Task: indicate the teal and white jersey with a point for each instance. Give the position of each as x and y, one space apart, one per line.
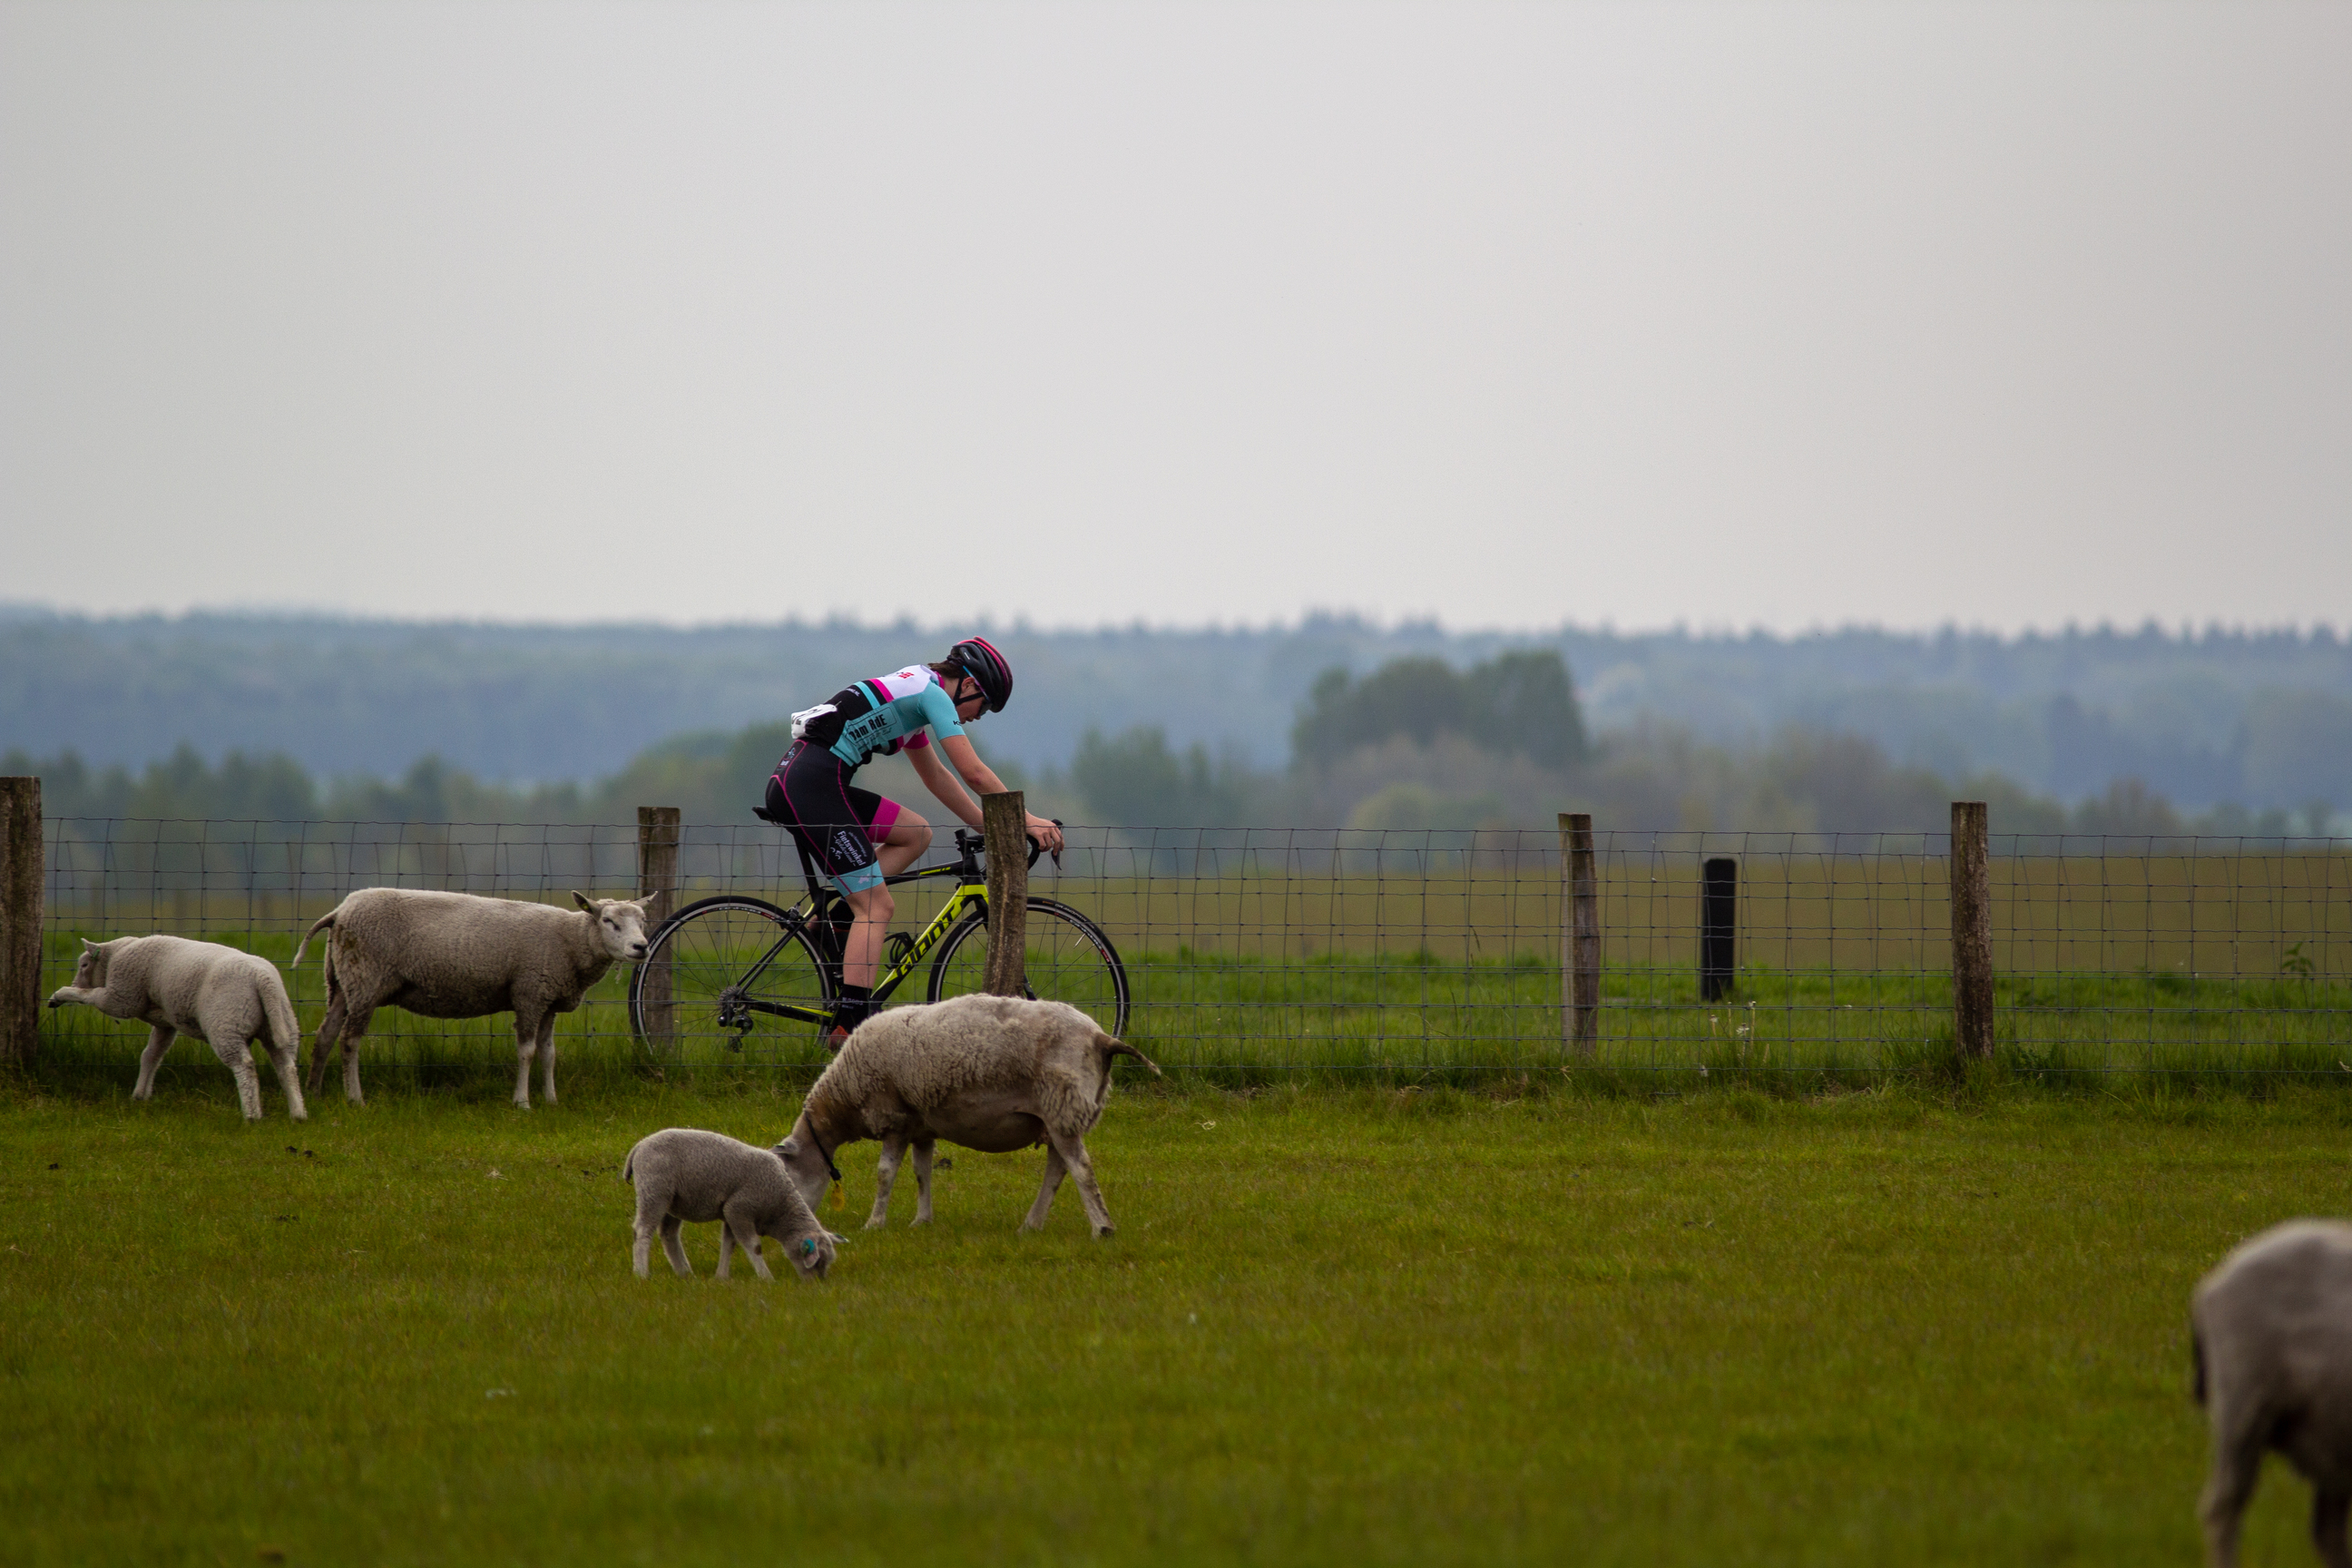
884 714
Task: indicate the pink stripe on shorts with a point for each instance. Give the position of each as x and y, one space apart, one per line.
885 814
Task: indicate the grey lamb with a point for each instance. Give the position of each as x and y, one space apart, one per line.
2271 1330
225 998
684 1174
993 1073
456 955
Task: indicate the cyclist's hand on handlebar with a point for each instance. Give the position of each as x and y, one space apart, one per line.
1046 832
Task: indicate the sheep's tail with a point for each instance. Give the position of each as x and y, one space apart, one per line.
2197 1360
1111 1048
629 1168
324 922
285 1028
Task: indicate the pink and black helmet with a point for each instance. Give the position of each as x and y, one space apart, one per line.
978 657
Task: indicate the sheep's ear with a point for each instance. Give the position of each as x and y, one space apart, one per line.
584 900
88 945
788 1148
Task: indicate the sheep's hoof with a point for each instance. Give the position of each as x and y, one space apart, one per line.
1105 1233
877 1222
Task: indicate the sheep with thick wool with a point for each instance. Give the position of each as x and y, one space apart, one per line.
459 955
685 1173
992 1073
225 998
2271 1332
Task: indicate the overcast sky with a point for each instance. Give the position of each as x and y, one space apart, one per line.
1733 314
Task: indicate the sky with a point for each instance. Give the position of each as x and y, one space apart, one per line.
1740 314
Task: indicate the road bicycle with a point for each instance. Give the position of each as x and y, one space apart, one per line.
738 973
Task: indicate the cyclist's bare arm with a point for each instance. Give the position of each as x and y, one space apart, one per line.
980 779
942 784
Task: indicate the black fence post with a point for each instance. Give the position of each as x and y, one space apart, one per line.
1580 936
1718 927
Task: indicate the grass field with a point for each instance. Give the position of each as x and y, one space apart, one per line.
1367 1326
1340 1015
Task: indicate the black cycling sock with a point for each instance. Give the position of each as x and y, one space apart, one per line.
853 1006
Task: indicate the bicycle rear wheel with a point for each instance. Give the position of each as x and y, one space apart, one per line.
723 960
1065 957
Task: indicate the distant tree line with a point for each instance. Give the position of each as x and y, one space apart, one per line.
2264 717
1414 743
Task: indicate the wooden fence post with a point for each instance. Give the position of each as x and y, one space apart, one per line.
1718 927
1580 936
20 919
1971 928
658 837
1005 824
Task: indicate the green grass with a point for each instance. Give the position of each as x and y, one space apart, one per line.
1235 1019
1351 1326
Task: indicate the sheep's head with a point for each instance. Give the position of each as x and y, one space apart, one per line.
89 970
620 924
812 1255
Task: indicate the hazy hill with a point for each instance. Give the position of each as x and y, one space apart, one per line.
2263 718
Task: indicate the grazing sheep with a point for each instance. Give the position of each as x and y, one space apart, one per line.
682 1173
225 998
2271 1330
993 1073
455 955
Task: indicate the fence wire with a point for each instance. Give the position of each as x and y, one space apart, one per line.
1339 951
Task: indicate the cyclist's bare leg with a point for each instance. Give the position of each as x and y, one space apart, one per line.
903 844
862 955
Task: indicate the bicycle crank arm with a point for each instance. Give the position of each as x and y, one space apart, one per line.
785 1010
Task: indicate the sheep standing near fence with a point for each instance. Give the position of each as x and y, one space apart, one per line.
459 955
992 1073
225 998
2272 1328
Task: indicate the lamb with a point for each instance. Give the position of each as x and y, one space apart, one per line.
683 1174
993 1073
455 955
2271 1330
225 998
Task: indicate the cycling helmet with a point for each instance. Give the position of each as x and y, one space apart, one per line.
978 657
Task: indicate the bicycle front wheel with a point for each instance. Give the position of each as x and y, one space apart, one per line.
729 978
1065 957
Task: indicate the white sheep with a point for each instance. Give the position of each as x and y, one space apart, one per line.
225 998
993 1073
2271 1330
683 1174
456 956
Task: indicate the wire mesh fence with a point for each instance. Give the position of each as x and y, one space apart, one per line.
1332 950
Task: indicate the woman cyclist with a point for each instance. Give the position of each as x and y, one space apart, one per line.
854 836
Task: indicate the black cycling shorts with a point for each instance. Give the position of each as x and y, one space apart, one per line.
836 822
